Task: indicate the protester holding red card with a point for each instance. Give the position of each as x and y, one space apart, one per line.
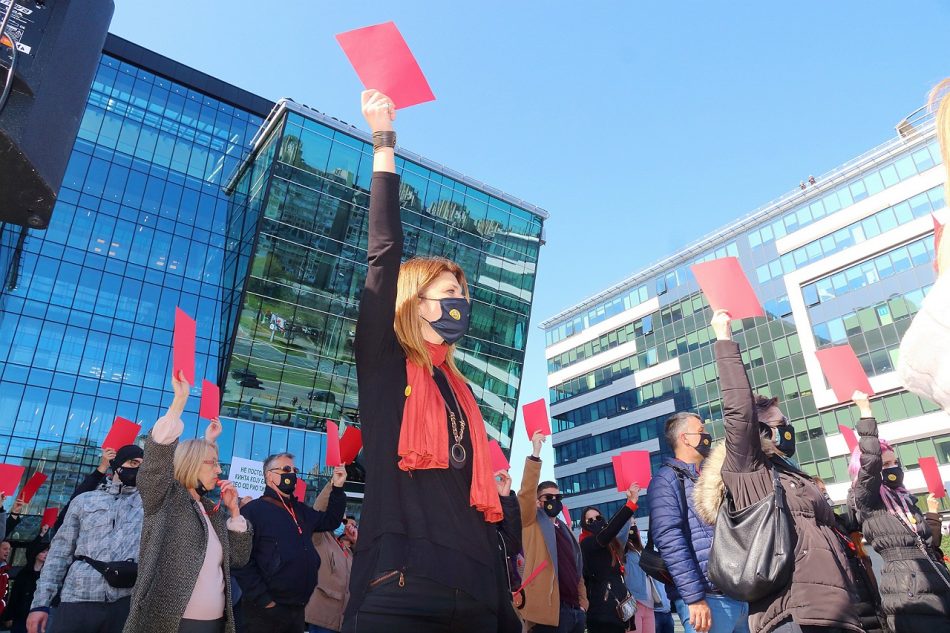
431 502
815 587
895 527
727 288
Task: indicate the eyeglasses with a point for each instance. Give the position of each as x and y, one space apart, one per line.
212 462
286 470
557 497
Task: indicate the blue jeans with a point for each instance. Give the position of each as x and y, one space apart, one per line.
569 621
319 629
663 621
728 615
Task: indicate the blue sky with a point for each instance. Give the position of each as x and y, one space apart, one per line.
640 126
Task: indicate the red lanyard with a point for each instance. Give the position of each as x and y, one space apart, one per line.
292 514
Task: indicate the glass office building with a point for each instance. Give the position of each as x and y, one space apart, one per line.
299 214
846 259
143 224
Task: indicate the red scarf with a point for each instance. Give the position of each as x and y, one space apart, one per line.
424 436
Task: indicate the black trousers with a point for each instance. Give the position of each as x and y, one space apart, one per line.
90 617
201 626
281 618
791 627
421 606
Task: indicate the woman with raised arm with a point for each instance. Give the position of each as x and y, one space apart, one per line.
914 584
759 442
188 544
604 564
429 557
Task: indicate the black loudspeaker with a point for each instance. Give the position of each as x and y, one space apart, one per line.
58 44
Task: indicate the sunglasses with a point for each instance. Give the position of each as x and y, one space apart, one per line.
286 470
557 497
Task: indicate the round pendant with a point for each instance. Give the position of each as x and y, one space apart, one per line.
458 456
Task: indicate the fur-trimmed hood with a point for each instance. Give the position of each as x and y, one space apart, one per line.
709 491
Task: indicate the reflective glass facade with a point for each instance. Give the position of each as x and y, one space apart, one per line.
291 362
848 260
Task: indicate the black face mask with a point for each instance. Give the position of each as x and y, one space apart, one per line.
127 475
453 323
784 438
288 483
893 477
553 507
201 490
705 444
594 526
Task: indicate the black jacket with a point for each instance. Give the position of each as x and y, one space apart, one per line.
603 573
868 603
915 587
284 563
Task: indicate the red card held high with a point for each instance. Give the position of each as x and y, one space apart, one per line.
849 437
49 517
383 61
350 444
536 418
210 400
632 467
928 466
727 288
32 486
333 445
498 459
10 476
122 433
843 371
183 356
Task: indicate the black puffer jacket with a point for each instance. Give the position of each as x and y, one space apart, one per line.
868 604
603 570
915 588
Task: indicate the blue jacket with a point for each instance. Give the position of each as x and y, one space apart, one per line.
284 564
683 542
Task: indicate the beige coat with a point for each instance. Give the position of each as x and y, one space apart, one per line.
329 599
542 600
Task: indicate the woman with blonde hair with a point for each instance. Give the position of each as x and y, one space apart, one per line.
429 558
188 544
924 360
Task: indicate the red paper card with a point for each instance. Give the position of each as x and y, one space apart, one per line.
32 485
498 459
333 445
10 476
49 517
300 490
727 288
938 235
843 371
122 433
350 444
849 437
566 514
632 467
536 418
383 61
210 400
183 357
928 466
619 476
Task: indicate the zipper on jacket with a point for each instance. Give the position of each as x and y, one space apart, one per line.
378 581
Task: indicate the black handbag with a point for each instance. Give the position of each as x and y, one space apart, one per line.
753 549
120 574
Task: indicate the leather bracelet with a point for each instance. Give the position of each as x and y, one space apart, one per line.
384 139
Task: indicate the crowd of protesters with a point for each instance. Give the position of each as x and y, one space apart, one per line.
740 540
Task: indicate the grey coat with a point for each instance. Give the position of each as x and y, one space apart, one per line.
174 541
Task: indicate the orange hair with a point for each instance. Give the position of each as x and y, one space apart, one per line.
414 276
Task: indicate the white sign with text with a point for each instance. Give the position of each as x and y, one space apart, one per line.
247 476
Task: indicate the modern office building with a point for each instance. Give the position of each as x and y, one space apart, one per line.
272 274
846 259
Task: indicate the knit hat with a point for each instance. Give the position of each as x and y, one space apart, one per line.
124 454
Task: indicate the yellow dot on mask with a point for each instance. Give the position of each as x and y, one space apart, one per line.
455 314
892 477
408 390
788 435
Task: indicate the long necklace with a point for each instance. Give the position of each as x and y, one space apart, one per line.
457 452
